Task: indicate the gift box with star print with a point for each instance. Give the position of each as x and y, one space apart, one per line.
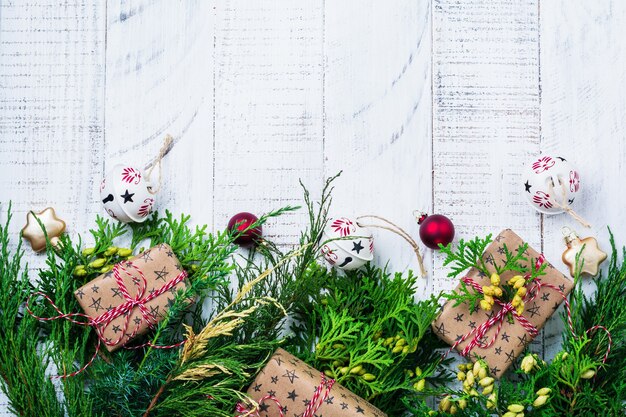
455 322
159 265
293 383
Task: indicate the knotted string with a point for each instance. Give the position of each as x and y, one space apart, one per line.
168 143
321 394
564 205
101 322
400 232
498 319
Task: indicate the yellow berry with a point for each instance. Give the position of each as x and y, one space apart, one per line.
106 269
482 373
541 400
521 292
495 279
485 305
420 385
461 376
487 290
486 381
519 284
544 391
444 405
112 250
453 409
515 408
498 292
98 263
401 342
397 349
356 369
418 371
477 367
88 251
344 370
588 374
369 377
124 252
462 403
488 390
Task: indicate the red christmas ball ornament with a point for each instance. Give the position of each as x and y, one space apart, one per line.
435 229
240 223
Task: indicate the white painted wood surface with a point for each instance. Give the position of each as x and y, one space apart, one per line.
430 105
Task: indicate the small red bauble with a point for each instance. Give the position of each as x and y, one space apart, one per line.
435 229
242 221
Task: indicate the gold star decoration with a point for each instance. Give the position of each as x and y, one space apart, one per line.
591 255
35 234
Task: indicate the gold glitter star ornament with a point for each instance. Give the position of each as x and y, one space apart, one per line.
35 234
591 255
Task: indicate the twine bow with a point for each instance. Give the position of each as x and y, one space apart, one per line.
480 332
564 204
321 394
101 322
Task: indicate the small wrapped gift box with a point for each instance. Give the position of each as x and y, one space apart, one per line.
289 383
134 296
459 324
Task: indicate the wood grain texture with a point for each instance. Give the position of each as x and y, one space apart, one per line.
378 117
268 110
583 116
485 117
51 112
159 80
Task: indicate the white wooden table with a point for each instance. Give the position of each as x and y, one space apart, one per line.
423 104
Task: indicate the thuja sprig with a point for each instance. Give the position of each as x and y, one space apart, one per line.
466 255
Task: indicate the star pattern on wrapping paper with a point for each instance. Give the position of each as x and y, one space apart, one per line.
501 250
458 337
170 302
441 329
95 289
145 256
329 400
510 356
306 402
534 310
505 337
80 294
292 395
110 307
498 351
309 373
494 370
257 387
96 304
152 291
154 310
523 340
293 362
116 329
291 375
472 324
562 287
264 407
490 314
162 274
481 274
359 410
344 406
489 259
117 292
170 254
474 309
556 305
272 393
179 267
274 379
108 340
459 317
499 238
137 320
278 360
545 296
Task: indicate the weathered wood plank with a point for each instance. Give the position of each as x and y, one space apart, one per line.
159 80
51 106
268 110
485 117
378 117
583 116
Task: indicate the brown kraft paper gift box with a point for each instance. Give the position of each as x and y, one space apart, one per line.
159 266
293 383
454 322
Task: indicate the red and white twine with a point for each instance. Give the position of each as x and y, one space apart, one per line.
506 308
321 394
101 322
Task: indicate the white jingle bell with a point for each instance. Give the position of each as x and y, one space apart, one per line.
346 245
125 194
551 184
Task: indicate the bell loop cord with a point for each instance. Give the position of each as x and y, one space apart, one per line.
393 228
564 205
168 144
